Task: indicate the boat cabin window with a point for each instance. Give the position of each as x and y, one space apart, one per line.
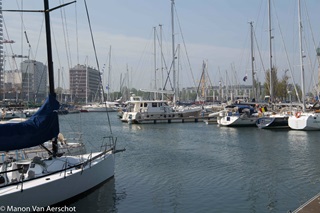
143 105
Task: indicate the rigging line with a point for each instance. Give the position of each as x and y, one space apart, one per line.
185 47
312 34
254 35
77 35
55 43
14 65
312 65
244 53
168 73
65 35
287 57
100 88
95 52
162 55
94 46
38 44
144 52
207 71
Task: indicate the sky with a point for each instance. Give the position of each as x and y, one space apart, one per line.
214 31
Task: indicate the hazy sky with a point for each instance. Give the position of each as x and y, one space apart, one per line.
215 31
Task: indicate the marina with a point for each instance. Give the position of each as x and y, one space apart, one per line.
194 167
224 127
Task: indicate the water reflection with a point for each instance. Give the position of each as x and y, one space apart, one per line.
103 198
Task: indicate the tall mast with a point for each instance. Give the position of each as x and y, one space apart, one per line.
254 93
175 96
301 58
270 52
155 61
160 25
50 66
109 76
49 48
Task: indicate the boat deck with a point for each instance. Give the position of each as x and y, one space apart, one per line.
311 206
174 120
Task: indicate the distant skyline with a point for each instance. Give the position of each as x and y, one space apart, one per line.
214 31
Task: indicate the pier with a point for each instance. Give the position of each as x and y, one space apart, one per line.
172 120
311 206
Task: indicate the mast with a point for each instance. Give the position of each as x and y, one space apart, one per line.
175 96
50 67
160 25
155 62
254 93
270 52
49 48
301 58
109 76
87 74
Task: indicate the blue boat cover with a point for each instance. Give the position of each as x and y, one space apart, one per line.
39 128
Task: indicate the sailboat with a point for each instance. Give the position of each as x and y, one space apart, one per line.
302 120
237 116
272 120
43 182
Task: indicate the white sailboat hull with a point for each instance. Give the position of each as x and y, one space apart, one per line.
307 121
55 188
236 121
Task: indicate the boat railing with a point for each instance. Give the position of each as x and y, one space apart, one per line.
66 167
108 143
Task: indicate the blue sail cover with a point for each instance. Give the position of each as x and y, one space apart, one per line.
39 128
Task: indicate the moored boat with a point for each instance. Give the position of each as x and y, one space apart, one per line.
275 121
237 116
154 111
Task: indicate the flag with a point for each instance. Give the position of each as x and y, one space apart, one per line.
245 78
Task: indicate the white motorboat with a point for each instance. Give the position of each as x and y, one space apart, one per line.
101 107
154 111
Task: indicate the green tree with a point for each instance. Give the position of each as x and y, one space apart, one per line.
281 89
274 82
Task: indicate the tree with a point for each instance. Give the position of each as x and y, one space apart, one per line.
282 88
274 82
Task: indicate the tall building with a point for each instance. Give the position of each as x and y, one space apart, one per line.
85 84
1 52
11 84
34 81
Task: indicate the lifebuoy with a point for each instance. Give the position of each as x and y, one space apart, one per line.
298 114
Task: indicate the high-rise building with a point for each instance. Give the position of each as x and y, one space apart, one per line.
85 84
1 52
34 81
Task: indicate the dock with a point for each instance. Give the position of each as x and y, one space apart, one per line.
171 120
311 206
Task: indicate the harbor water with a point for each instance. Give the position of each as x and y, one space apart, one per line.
194 167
